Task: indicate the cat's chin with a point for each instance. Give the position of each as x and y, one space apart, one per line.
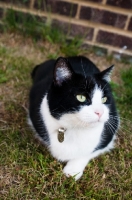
96 123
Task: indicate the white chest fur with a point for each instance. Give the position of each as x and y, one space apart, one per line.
78 142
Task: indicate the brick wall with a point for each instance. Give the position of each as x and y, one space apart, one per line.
103 23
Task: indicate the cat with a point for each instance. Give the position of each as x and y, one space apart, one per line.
72 100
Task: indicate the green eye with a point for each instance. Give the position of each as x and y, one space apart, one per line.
81 98
104 99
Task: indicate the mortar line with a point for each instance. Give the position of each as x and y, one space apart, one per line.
78 12
95 34
32 4
127 23
104 2
101 6
71 20
108 47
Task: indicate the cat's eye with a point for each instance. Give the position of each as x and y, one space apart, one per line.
104 99
81 98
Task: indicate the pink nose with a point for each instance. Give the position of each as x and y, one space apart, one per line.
99 113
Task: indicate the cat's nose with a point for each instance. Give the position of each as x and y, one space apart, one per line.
99 112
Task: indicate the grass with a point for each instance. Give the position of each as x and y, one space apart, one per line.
127 79
43 29
27 170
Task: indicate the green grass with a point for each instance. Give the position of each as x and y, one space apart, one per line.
127 80
27 170
37 28
123 93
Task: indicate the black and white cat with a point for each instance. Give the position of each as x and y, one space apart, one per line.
71 98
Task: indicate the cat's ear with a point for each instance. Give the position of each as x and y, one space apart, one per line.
62 71
106 74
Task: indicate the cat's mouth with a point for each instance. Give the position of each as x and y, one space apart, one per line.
95 122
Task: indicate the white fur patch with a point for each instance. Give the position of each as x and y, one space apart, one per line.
83 133
107 78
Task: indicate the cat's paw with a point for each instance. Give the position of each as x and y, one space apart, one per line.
70 171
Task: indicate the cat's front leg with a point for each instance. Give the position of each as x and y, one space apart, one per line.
75 167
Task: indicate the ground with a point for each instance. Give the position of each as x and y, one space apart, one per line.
27 171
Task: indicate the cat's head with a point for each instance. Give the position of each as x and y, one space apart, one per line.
79 100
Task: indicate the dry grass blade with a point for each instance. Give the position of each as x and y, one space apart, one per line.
27 171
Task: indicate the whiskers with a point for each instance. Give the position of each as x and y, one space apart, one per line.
124 125
112 125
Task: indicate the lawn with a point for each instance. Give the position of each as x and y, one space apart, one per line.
27 171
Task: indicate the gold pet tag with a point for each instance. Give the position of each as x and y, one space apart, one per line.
61 135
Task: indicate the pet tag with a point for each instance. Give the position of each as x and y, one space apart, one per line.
61 134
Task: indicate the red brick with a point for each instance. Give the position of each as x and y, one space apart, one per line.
114 39
7 1
75 30
61 25
120 3
17 2
114 19
85 13
102 16
1 12
56 6
1 28
84 32
130 25
40 5
105 37
94 0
